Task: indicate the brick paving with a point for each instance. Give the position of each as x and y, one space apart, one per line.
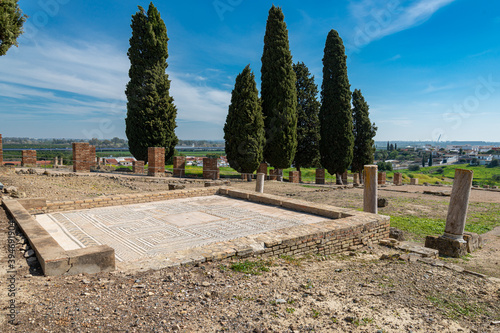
147 230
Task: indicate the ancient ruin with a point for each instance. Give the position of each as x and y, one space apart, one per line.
156 161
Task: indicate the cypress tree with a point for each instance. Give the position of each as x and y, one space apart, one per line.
335 115
430 159
307 155
151 111
244 128
423 160
364 132
388 146
395 146
11 24
279 98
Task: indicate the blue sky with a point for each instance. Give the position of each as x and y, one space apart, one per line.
427 68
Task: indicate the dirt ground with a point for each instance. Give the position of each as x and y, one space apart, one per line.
369 290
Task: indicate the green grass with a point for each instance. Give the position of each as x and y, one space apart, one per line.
457 306
482 174
478 221
252 267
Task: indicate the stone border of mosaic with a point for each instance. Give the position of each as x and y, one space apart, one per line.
346 229
51 256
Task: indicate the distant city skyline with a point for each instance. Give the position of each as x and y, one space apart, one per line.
427 68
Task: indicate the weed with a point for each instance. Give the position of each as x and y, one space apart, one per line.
315 313
291 260
456 306
290 310
252 267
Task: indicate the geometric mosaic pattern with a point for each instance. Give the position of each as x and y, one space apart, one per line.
146 230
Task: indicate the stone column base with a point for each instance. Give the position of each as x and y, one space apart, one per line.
446 247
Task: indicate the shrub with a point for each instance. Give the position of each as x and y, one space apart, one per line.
493 164
414 167
439 171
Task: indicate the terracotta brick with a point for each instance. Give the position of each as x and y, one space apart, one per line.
138 167
294 177
262 168
381 178
81 159
320 176
179 166
210 168
156 161
28 158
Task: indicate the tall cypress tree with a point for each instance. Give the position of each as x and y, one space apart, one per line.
244 128
11 24
335 114
364 132
307 155
423 159
151 111
430 159
279 99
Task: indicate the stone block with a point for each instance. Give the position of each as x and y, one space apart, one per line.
397 234
320 176
413 181
446 247
355 179
176 187
474 241
382 202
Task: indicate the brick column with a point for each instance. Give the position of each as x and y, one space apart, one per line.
81 162
381 178
138 167
398 179
92 156
355 178
28 158
210 168
1 151
293 177
273 174
370 191
413 181
179 166
320 176
156 161
344 178
262 169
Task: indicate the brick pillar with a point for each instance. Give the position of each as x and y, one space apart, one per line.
293 177
344 178
381 178
92 156
262 169
320 176
138 167
210 168
81 162
179 166
28 158
413 181
1 151
273 174
156 161
355 178
398 179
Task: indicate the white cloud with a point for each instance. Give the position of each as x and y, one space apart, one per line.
88 80
379 18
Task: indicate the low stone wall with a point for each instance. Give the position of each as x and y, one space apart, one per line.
125 199
52 257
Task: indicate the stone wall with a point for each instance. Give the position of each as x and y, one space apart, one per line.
138 167
381 178
156 161
179 166
320 176
294 177
28 158
210 168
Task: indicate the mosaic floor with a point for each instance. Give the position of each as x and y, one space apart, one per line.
146 230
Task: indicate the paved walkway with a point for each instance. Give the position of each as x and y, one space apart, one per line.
151 229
